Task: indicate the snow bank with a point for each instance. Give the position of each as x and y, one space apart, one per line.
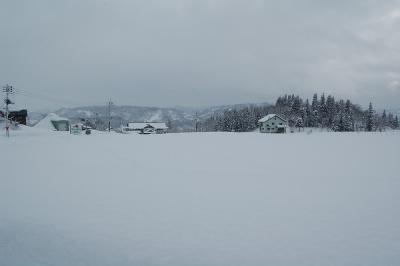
200 199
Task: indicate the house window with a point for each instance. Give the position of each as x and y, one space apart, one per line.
273 123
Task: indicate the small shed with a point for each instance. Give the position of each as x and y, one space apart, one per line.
273 123
54 122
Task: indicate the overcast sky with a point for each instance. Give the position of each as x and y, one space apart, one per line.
198 52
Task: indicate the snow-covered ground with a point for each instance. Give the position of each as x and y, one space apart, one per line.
200 199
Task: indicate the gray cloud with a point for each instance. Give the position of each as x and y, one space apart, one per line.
182 52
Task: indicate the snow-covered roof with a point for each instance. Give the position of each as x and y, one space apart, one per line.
45 123
268 117
141 125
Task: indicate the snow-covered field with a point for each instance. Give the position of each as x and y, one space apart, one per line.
200 199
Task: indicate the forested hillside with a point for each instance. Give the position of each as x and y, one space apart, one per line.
321 112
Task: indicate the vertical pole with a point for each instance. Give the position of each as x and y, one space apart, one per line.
7 126
109 115
8 90
196 123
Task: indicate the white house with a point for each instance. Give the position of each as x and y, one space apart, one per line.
146 127
54 122
272 123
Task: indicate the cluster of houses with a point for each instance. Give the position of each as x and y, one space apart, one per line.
271 123
57 123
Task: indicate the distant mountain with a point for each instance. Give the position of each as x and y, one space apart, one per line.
127 113
207 112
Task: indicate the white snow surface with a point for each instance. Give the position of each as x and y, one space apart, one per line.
199 199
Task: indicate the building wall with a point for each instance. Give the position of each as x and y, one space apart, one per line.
61 125
17 116
271 126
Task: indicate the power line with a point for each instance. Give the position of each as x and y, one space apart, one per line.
47 98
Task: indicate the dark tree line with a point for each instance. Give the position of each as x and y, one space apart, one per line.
322 112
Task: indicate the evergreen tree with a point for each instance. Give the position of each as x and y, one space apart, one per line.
396 123
348 119
369 124
390 120
295 110
339 121
314 111
383 121
299 123
322 112
330 108
308 116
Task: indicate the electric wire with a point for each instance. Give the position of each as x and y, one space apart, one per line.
46 98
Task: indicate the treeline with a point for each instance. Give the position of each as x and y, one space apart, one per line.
322 112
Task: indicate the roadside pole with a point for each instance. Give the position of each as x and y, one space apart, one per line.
7 90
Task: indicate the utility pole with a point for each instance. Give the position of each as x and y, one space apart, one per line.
7 90
196 122
110 103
